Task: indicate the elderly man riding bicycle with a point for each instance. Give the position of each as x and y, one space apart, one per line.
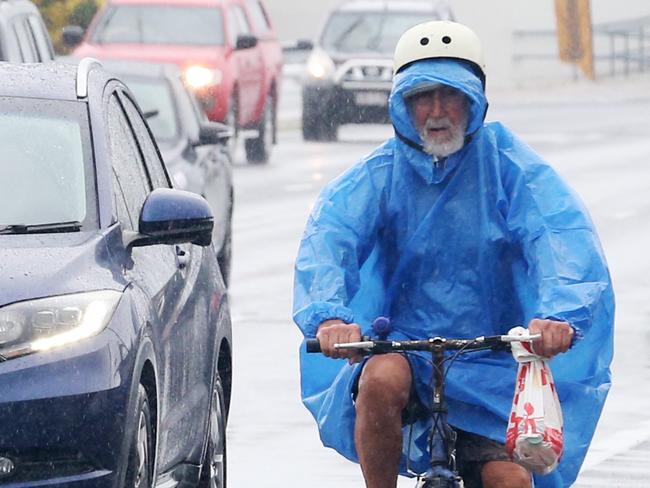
453 227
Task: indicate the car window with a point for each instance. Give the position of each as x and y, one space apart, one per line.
258 16
233 28
358 32
160 24
155 95
25 41
147 146
239 17
126 159
119 204
46 168
198 111
41 39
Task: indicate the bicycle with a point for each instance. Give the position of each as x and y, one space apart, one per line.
442 472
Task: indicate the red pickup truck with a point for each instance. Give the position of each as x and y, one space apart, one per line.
227 50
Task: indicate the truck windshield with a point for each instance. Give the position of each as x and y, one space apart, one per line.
160 24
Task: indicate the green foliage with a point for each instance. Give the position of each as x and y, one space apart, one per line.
59 13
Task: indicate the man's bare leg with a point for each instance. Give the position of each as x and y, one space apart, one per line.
503 474
384 389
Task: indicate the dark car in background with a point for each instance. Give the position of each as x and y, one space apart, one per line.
227 49
115 335
23 35
349 72
193 147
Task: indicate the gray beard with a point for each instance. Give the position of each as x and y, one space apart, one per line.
445 148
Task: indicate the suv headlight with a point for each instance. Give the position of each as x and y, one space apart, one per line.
320 66
46 323
198 76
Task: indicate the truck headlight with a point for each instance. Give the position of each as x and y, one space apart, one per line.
46 323
198 76
320 66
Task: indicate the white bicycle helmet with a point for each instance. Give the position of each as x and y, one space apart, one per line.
439 39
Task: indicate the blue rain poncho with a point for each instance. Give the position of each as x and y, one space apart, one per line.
484 240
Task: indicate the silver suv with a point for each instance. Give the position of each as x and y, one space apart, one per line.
349 71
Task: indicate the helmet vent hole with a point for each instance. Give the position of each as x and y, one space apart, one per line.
446 40
424 41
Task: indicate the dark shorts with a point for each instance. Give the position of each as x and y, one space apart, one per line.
472 450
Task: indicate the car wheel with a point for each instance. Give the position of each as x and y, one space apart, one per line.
318 126
258 149
139 472
330 129
231 121
213 471
224 257
310 125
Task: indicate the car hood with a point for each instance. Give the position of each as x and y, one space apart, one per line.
339 57
180 55
41 265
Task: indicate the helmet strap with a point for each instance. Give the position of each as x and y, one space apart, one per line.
408 141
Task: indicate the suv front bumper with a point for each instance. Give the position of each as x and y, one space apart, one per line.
357 93
345 105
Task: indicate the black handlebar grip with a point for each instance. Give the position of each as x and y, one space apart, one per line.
313 345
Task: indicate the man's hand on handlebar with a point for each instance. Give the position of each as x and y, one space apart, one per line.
335 331
556 336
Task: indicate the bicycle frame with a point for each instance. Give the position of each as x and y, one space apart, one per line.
442 470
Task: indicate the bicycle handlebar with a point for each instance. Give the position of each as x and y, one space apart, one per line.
381 347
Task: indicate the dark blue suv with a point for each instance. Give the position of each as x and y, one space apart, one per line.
115 336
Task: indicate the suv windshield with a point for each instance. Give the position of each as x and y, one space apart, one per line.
45 164
160 24
376 32
156 101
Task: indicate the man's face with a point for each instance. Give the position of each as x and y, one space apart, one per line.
440 116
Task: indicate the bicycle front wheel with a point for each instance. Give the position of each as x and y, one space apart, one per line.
439 482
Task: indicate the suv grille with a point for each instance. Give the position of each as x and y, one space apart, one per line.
365 74
368 73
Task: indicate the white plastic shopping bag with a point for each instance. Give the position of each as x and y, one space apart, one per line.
534 437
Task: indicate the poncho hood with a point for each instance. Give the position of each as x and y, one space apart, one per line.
451 72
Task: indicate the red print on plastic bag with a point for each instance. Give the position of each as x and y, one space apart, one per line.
534 437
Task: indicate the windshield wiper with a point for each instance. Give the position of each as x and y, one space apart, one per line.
55 227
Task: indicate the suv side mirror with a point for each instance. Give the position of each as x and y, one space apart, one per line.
173 217
246 41
72 35
213 133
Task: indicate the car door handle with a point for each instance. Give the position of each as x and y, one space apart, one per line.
182 258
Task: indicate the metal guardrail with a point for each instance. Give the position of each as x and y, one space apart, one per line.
623 45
